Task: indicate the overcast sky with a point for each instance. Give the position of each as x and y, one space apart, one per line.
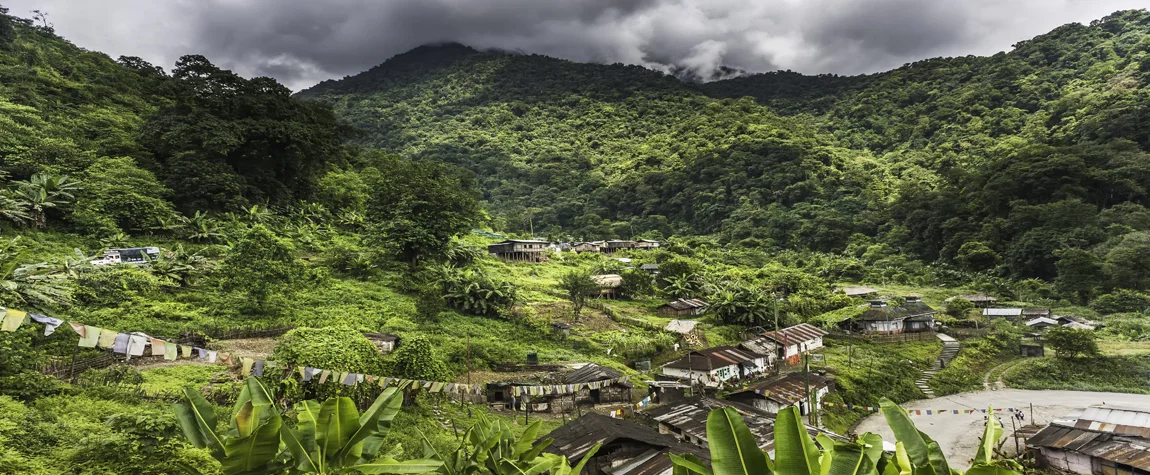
301 42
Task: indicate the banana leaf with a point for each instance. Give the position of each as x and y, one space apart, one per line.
795 452
198 420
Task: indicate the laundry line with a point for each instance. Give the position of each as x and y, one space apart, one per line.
134 344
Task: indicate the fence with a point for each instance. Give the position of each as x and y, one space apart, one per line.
887 339
966 333
623 319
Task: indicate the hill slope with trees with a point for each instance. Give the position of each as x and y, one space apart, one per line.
1011 160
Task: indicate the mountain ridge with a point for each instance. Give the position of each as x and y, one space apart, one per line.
930 158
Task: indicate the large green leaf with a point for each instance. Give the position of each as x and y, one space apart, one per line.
388 403
990 435
795 452
389 465
338 421
848 459
909 436
991 469
527 440
586 457
197 418
245 454
734 450
383 411
937 458
307 416
302 449
688 464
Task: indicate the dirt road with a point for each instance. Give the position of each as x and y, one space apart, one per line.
958 433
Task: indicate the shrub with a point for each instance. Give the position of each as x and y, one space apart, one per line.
1072 342
958 307
331 348
113 285
415 359
1121 301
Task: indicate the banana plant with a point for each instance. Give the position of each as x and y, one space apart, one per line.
490 447
333 438
251 445
329 438
734 450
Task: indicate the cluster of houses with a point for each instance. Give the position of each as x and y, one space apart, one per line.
530 250
1038 319
753 358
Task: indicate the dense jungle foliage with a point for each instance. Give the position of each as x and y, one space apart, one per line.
1030 163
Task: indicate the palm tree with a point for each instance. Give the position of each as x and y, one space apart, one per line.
34 285
201 228
45 191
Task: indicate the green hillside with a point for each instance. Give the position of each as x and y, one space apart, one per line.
977 161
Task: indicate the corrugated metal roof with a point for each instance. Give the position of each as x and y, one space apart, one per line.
858 290
761 346
796 334
1036 321
786 389
690 416
1038 312
1116 419
684 304
907 310
608 280
1133 451
713 358
1001 312
974 298
681 326
574 439
593 372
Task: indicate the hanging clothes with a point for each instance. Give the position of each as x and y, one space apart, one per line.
247 363
211 357
307 373
348 379
120 344
185 351
323 375
50 323
170 351
258 368
89 335
107 339
201 353
136 345
12 320
159 347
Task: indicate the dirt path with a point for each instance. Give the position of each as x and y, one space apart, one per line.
1001 370
958 433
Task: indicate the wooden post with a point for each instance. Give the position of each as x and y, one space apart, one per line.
72 367
1013 434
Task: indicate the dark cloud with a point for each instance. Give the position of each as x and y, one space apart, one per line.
301 42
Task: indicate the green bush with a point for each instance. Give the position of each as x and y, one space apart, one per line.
332 348
1121 301
114 285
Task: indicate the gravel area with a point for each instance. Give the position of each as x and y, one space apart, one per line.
958 433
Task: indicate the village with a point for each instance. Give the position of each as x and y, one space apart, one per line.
638 422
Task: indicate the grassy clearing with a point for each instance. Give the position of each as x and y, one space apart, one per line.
1124 348
1126 374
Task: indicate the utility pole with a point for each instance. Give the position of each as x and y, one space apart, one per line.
807 387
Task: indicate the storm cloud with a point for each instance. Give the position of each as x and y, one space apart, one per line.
301 42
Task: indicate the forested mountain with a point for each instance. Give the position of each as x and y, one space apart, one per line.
981 161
